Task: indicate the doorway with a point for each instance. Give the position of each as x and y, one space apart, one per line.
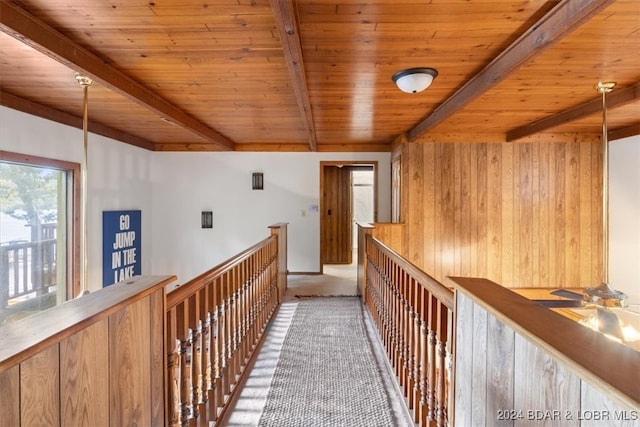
348 195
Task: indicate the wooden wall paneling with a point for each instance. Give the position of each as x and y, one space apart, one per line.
535 214
463 390
594 403
518 214
428 200
550 217
84 377
588 255
462 210
157 356
405 190
446 208
479 414
129 365
391 234
518 205
417 242
10 396
481 222
507 214
40 389
500 368
543 385
560 214
439 226
572 194
458 210
494 212
523 216
542 228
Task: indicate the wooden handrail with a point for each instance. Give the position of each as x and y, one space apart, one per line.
413 314
213 325
440 291
610 367
182 292
49 327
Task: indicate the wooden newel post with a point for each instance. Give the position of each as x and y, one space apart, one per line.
364 229
280 230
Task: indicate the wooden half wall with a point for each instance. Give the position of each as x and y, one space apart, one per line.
95 361
518 363
521 214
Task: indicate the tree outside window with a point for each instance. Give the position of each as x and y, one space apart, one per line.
35 254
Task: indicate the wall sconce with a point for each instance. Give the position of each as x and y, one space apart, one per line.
207 219
257 181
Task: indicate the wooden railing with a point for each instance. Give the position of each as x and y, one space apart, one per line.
214 323
26 268
413 314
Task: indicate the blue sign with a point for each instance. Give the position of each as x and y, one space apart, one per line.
121 246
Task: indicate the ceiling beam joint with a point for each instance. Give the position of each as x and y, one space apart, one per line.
19 24
615 99
565 17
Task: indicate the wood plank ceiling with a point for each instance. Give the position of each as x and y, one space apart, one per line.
284 75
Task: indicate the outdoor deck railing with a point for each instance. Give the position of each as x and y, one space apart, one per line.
413 314
26 268
214 323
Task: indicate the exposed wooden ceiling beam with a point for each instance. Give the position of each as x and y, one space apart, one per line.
28 29
560 21
614 99
624 132
285 16
17 103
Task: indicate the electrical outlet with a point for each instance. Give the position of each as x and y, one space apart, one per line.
303 213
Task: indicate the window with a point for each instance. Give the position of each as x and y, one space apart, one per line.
363 199
39 243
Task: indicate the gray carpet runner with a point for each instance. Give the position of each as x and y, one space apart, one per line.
327 374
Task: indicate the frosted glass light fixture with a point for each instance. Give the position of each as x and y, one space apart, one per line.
414 80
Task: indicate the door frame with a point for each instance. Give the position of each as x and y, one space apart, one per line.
341 163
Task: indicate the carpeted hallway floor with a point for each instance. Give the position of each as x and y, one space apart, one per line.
337 280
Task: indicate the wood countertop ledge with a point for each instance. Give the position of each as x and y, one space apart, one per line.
26 337
609 366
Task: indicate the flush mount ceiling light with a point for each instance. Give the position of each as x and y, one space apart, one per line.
414 80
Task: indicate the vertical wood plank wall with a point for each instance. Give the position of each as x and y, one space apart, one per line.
521 214
503 379
107 373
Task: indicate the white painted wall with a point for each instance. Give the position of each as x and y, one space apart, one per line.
119 175
624 216
184 184
172 189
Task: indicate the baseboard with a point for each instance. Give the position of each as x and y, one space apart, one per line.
304 273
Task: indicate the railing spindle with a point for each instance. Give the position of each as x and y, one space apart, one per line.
413 315
214 324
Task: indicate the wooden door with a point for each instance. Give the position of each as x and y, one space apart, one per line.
336 238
